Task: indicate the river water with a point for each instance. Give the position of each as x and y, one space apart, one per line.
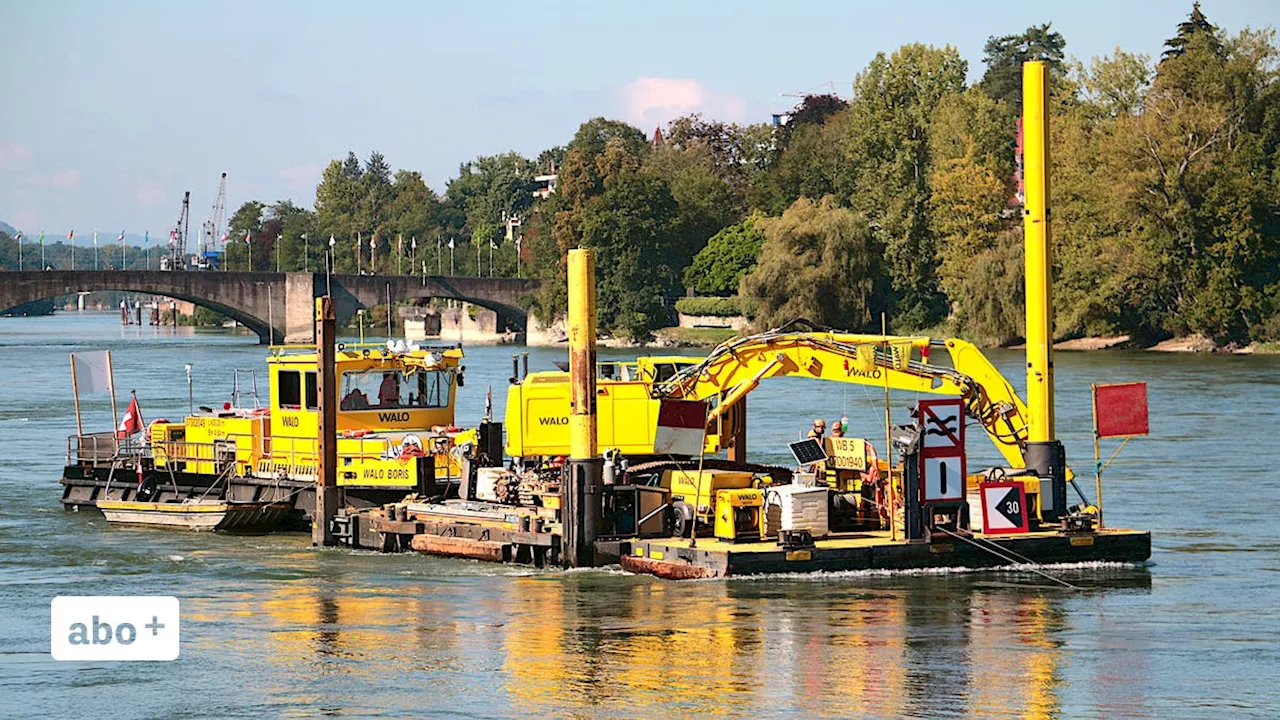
273 627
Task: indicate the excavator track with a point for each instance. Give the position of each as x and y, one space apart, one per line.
778 473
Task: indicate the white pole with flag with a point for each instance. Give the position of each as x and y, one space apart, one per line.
248 250
71 237
359 249
399 253
146 242
121 241
373 245
42 263
450 257
279 237
328 266
19 239
413 254
95 249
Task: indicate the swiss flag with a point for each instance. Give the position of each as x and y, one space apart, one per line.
132 422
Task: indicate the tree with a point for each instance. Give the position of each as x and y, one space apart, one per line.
888 155
1195 24
634 224
487 190
719 268
337 206
600 149
707 202
245 223
1005 55
817 262
971 146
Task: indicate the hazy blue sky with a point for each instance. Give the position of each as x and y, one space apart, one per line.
112 109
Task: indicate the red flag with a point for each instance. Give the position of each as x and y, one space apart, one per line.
1120 410
132 422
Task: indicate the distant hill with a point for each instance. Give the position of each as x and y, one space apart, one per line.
8 229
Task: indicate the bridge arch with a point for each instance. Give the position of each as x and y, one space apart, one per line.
240 304
277 306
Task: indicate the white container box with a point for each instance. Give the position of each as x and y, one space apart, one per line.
796 507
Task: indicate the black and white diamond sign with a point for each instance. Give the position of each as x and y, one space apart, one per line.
1004 508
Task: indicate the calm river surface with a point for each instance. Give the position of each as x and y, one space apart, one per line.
273 627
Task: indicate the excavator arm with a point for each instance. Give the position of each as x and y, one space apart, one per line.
738 366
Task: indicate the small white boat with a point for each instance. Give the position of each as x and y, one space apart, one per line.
197 514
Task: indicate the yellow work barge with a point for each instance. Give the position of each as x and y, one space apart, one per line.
680 558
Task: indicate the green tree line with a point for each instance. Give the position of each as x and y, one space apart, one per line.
901 199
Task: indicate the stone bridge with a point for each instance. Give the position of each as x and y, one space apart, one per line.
279 307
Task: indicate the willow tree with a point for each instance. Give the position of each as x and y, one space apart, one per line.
818 262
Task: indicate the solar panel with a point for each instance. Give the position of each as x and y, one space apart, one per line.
807 451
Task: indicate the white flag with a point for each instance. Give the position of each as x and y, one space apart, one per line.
332 242
91 371
493 245
450 243
414 244
121 238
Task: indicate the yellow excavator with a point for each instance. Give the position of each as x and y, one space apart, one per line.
629 399
537 406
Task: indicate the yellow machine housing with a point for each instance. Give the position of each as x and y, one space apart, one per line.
537 415
699 489
739 514
393 408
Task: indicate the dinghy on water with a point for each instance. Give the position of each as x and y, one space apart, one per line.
199 515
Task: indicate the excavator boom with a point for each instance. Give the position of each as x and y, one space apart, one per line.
736 367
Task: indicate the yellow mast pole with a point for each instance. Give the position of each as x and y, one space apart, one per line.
582 506
1044 454
1039 254
888 435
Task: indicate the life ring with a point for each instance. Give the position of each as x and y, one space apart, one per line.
261 412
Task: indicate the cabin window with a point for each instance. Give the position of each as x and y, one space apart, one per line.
312 403
392 389
289 389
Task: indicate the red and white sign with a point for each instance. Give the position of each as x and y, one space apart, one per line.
681 425
942 458
1120 410
1004 508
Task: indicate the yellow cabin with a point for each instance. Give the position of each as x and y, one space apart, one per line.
394 407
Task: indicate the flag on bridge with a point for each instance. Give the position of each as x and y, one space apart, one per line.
121 238
492 245
248 237
414 244
332 241
71 235
450 243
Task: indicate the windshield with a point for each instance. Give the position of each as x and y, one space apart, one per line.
392 389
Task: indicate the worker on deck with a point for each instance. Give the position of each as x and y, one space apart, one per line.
837 429
389 391
355 400
819 429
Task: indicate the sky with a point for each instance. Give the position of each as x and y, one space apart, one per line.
112 109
